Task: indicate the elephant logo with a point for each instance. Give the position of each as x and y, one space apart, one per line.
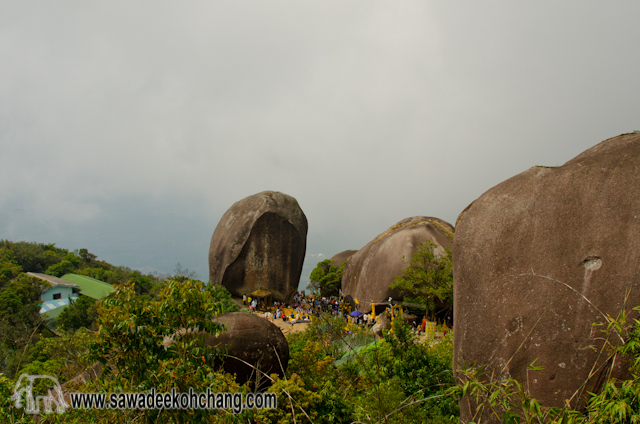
48 385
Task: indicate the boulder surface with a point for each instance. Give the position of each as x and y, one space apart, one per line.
260 243
341 257
541 257
253 340
370 271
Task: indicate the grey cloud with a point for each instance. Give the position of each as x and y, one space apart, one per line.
111 114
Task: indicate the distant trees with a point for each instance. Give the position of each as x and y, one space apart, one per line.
69 263
428 276
326 278
88 257
33 257
183 274
9 267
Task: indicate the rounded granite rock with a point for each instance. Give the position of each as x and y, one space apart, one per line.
371 270
255 340
260 243
252 347
339 258
540 258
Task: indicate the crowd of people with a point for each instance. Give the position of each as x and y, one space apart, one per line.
304 307
301 309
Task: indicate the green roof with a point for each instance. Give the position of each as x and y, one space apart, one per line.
91 287
51 317
53 313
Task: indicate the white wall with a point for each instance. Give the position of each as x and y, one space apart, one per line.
66 293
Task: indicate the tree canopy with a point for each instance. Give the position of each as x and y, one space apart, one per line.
80 313
326 278
428 276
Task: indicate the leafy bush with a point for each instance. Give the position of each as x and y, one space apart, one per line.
296 404
395 380
21 324
219 293
130 338
81 312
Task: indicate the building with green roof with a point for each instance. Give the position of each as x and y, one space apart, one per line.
91 287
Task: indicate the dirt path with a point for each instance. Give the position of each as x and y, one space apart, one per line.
285 327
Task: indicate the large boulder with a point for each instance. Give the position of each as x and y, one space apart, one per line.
370 271
260 243
339 258
541 257
253 347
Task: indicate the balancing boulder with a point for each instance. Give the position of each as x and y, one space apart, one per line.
260 243
370 271
540 258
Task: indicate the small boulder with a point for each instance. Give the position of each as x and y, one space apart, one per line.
254 340
249 339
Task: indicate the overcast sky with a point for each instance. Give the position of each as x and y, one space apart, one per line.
129 128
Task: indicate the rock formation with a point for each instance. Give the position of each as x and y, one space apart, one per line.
260 243
341 257
541 257
253 340
370 271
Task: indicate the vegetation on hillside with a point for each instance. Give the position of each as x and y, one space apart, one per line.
394 380
21 325
334 375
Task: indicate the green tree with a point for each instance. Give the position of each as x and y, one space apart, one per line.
20 320
80 313
428 276
60 269
9 267
219 293
86 256
326 278
34 257
129 341
63 357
